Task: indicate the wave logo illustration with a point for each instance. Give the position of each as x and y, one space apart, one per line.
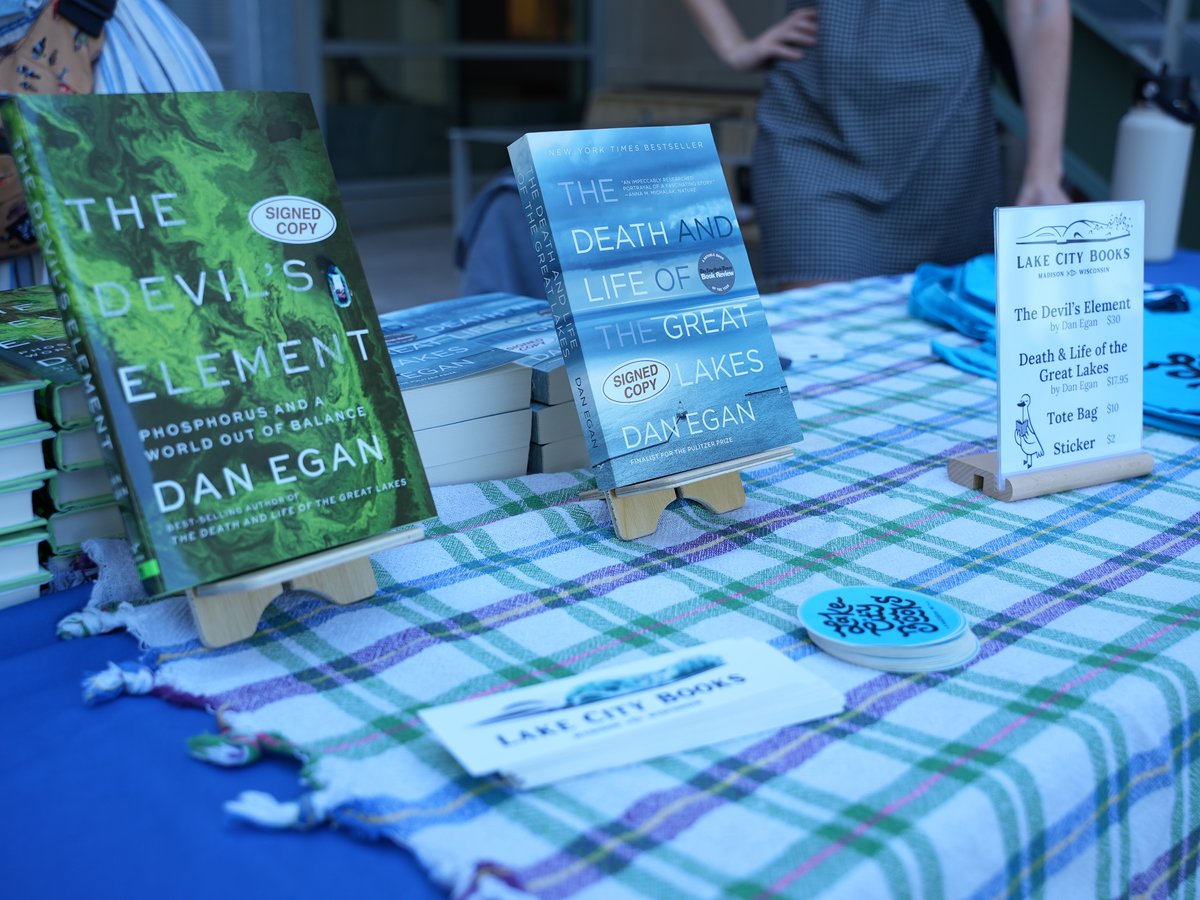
604 689
1081 231
292 220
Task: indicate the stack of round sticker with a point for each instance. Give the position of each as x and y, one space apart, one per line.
889 628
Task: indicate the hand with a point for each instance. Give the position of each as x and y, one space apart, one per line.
1041 193
786 39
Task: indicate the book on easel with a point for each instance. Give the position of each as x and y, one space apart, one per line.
667 349
227 340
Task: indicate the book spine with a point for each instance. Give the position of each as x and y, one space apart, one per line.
69 294
533 206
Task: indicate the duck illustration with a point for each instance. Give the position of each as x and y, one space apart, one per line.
1025 436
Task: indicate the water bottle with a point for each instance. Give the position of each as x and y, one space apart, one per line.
1154 148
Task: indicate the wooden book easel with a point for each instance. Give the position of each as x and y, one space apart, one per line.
978 471
636 508
228 611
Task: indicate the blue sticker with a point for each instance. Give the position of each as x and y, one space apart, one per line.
881 617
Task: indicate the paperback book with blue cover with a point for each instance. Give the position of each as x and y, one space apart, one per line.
669 356
519 325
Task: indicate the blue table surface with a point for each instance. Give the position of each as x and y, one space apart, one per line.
1183 267
105 802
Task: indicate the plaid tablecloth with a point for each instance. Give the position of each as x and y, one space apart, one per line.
1063 762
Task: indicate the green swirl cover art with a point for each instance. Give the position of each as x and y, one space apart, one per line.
225 331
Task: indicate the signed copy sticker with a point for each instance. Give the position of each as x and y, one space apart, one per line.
1068 333
292 220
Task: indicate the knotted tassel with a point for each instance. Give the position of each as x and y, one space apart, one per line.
263 810
115 680
89 622
229 750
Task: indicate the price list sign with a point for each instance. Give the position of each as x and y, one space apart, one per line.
1069 283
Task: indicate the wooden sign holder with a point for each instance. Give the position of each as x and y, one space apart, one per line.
978 471
636 508
228 611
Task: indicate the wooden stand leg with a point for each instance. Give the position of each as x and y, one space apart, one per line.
637 515
347 583
636 509
228 611
721 493
978 471
223 619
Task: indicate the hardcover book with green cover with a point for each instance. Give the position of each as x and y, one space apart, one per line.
222 323
32 340
18 406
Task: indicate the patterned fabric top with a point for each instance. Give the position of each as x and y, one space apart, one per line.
877 151
1062 761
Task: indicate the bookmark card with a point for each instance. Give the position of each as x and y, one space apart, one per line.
630 712
1068 334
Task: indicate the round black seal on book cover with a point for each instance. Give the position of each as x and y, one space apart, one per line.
716 271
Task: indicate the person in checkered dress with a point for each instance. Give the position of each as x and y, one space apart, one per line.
876 147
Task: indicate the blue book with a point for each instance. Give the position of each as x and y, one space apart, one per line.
510 322
667 350
447 378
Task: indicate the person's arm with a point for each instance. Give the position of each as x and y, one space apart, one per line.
1040 33
783 40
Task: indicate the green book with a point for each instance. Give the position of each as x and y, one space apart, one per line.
69 528
71 488
32 340
77 447
21 573
18 403
18 504
21 454
217 307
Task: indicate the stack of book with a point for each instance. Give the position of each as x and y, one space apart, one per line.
468 403
482 379
475 362
75 501
22 531
524 325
